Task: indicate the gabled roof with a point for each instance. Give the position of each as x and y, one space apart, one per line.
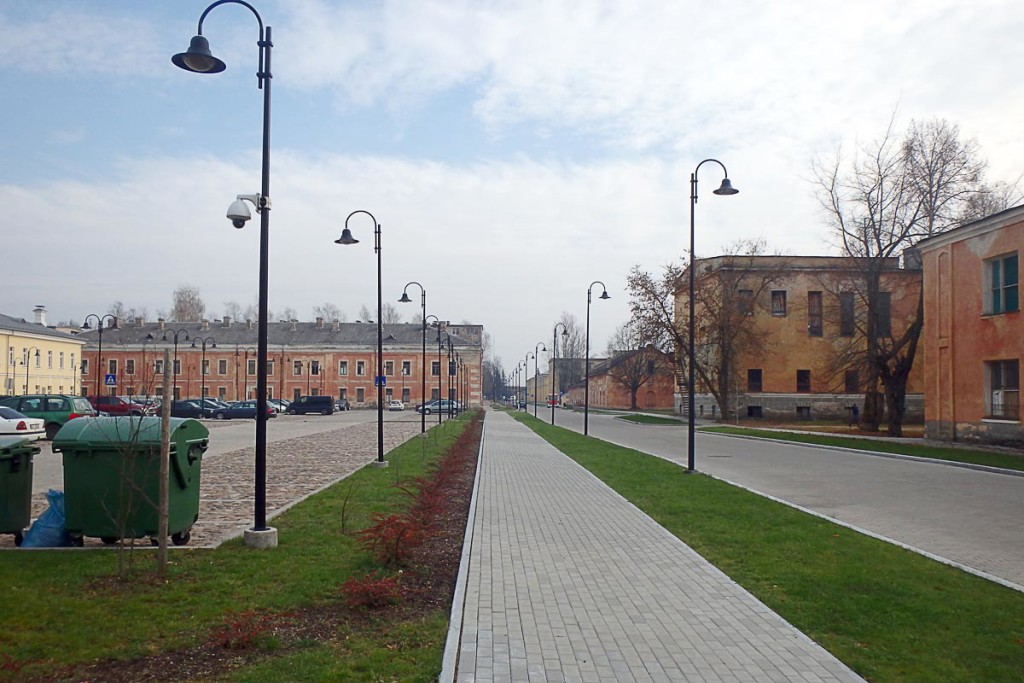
21 325
991 223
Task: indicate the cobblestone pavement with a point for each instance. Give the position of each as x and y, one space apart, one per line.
568 581
296 468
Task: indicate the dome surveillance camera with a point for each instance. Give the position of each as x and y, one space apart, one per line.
238 213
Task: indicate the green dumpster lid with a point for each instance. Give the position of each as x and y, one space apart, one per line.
9 445
89 433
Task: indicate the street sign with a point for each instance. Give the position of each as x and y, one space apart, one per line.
110 380
380 381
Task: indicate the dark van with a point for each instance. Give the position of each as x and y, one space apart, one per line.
311 404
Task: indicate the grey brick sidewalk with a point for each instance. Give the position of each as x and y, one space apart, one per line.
568 581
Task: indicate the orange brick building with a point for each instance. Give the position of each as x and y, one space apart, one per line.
304 358
610 381
806 314
974 329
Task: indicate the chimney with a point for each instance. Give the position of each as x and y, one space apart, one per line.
161 323
320 323
139 321
40 311
336 325
205 324
227 321
295 325
248 323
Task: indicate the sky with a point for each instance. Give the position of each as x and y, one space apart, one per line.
512 152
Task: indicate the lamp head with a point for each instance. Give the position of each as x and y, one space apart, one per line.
604 295
198 58
238 213
726 188
346 238
405 298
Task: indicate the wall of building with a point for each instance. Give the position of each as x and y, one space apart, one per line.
962 337
54 371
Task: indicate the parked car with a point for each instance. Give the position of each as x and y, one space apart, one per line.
437 405
311 404
342 404
396 405
53 409
119 405
192 409
13 423
240 409
280 405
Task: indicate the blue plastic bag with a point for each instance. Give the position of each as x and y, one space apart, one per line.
48 530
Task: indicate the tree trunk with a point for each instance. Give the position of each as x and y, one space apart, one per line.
632 399
871 416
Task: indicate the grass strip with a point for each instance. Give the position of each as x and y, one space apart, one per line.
1008 461
888 613
54 601
650 420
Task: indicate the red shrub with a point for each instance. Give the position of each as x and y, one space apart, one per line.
371 591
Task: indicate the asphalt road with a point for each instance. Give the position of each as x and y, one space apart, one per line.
230 435
966 516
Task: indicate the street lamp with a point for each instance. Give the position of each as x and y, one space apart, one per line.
180 333
726 188
345 239
538 347
554 357
198 59
526 381
28 357
586 384
423 365
437 323
99 353
202 366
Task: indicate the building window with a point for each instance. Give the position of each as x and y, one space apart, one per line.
779 303
314 367
803 381
61 360
343 394
406 368
405 395
360 395
803 412
755 411
434 394
222 367
746 302
85 366
883 315
814 326
847 323
361 368
112 366
851 382
389 367
177 370
49 359
1004 383
206 367
270 370
250 367
1002 277
297 368
754 380
158 368
343 368
129 366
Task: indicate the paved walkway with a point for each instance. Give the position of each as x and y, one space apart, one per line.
568 581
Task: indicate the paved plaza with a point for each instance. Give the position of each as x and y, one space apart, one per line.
567 581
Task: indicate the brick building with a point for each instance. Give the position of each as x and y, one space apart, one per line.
611 379
974 330
303 358
807 316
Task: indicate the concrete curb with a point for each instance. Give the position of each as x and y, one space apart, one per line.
895 456
450 660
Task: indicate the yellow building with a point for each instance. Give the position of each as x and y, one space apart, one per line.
38 359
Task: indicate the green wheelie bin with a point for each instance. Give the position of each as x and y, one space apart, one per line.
16 455
112 475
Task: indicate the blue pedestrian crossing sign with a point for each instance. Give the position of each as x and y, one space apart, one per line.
380 381
110 380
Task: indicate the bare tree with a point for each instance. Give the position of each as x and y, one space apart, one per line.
122 312
365 315
893 193
633 363
289 313
991 199
187 305
329 312
572 351
233 309
390 315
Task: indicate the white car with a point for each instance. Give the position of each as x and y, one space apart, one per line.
396 405
13 423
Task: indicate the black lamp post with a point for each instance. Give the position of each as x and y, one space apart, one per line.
347 238
586 383
179 334
538 347
554 357
148 339
726 188
198 59
202 366
28 357
526 380
99 353
423 365
437 323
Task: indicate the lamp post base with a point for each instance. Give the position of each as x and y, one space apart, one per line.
261 539
380 463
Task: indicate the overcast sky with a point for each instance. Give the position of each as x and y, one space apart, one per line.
513 152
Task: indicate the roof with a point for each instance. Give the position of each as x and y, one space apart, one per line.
278 334
23 326
996 221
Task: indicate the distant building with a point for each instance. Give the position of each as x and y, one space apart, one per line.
807 316
38 359
648 370
974 329
303 358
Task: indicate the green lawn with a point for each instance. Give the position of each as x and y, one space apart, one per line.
64 608
650 420
978 457
888 613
